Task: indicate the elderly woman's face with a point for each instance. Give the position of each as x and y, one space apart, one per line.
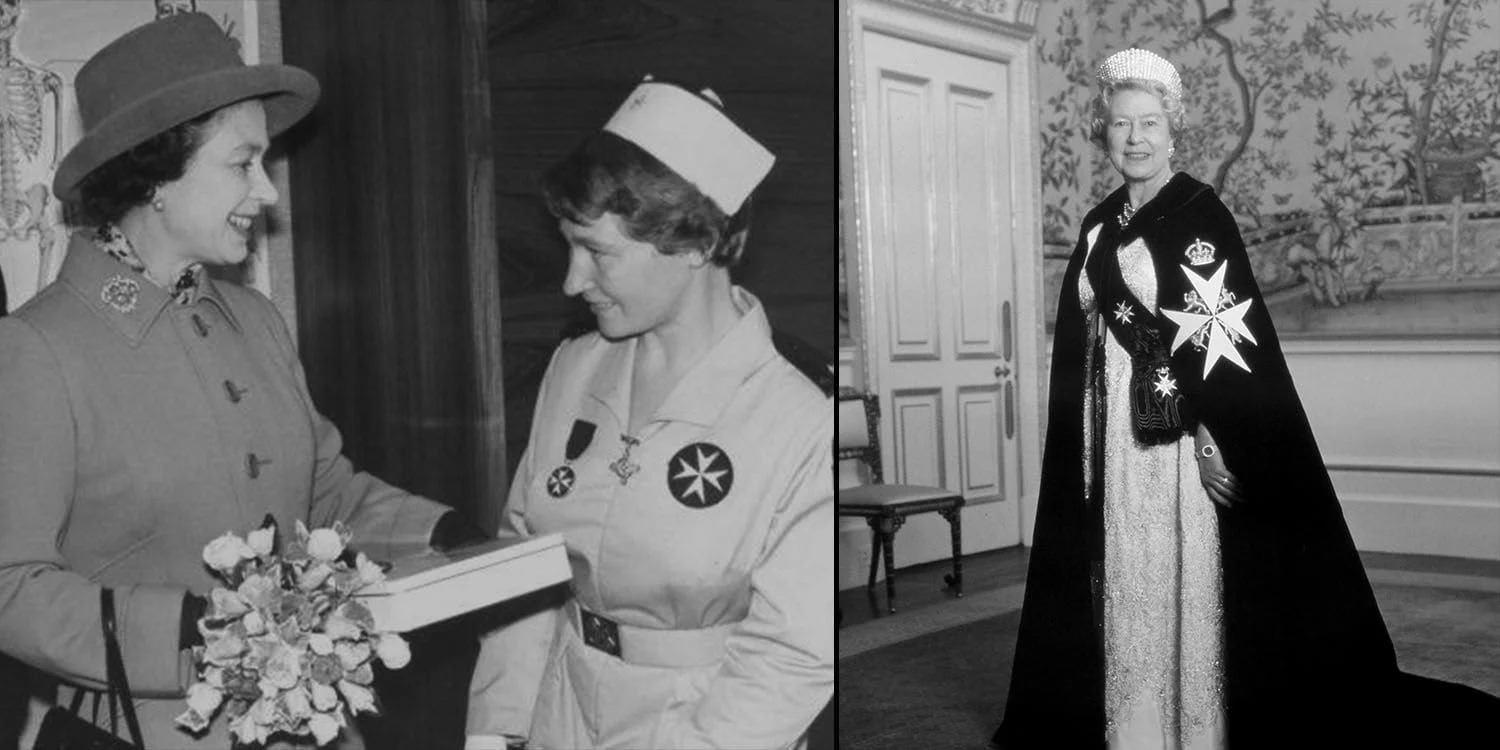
1138 136
210 210
630 286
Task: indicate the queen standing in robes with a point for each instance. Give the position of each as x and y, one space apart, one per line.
1193 583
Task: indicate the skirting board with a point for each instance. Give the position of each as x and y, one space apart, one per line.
1425 526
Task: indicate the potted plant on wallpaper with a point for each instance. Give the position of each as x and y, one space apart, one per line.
1465 131
1453 119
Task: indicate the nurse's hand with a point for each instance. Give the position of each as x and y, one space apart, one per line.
1221 485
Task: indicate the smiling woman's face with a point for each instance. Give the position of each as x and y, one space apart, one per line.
1138 136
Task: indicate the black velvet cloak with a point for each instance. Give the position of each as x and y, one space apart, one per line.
1308 660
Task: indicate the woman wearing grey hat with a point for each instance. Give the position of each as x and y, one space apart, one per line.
148 408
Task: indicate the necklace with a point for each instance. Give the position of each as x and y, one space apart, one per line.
622 466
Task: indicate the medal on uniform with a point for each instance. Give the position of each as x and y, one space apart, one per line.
560 481
700 475
622 466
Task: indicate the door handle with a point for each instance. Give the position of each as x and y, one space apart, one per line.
1002 370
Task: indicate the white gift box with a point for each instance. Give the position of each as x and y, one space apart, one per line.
432 586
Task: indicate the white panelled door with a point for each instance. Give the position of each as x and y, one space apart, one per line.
941 321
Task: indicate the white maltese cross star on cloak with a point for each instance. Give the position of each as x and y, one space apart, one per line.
1212 321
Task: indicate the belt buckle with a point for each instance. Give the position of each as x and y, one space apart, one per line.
600 632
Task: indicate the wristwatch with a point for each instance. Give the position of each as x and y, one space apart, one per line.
1207 451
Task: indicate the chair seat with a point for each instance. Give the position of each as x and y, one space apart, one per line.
893 495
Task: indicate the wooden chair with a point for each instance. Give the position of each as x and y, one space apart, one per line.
885 507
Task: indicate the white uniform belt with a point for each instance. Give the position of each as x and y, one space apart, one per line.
649 647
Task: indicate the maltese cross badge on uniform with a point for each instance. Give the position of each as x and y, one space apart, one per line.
560 481
700 475
1212 320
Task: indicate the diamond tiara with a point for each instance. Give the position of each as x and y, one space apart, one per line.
1139 63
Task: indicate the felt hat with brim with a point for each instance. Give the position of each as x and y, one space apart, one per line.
163 74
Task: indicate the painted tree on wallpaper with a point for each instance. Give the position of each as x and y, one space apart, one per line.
1064 128
1437 119
1426 133
1243 86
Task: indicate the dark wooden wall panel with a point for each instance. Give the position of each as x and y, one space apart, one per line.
398 286
392 222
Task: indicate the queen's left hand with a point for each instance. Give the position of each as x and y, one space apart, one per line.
1221 484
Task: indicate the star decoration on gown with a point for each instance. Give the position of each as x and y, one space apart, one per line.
1123 313
1165 385
700 475
1212 321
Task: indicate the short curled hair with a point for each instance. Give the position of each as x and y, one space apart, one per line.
130 179
1099 122
608 174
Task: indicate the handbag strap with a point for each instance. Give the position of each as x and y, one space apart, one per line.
118 683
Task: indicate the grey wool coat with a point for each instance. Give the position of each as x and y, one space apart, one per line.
133 430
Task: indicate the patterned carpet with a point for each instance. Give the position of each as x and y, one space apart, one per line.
938 677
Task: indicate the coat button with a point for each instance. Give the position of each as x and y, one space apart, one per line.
200 326
253 464
234 392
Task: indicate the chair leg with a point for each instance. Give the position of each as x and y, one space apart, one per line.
955 526
888 540
874 551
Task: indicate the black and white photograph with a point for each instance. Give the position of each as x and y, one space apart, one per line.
749 374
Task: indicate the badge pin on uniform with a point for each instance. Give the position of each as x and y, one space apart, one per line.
560 481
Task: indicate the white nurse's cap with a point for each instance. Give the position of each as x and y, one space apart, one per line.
695 139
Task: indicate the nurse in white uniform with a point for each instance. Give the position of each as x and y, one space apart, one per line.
686 460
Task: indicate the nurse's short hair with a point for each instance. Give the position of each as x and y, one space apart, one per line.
129 180
1099 108
608 174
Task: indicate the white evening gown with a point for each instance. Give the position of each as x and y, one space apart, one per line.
1163 608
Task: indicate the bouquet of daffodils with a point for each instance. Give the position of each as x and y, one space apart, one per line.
287 649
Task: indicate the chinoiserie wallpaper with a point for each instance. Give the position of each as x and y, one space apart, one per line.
1357 141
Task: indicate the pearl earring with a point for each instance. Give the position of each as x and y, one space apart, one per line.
1171 150
158 205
